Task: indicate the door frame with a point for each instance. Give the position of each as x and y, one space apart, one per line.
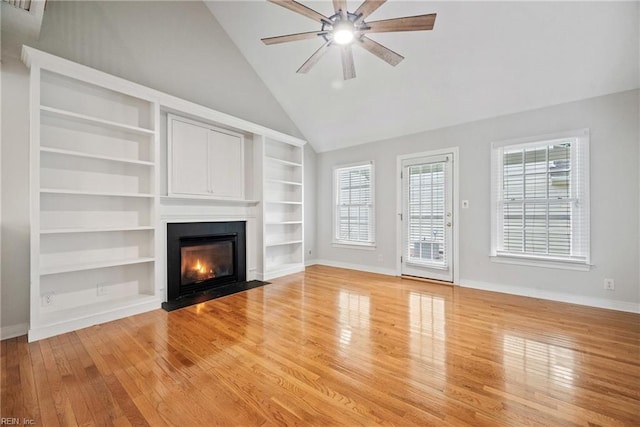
455 154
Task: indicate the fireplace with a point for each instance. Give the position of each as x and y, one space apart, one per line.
203 256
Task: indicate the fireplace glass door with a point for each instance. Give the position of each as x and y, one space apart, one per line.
205 261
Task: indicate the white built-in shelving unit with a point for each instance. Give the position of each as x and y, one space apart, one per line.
93 197
101 194
282 208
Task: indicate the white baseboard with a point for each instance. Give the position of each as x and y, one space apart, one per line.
13 331
309 262
73 324
360 267
553 296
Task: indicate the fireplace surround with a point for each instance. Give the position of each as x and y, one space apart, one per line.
204 256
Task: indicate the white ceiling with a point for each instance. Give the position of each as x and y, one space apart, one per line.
483 59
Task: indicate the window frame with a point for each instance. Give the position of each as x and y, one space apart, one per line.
579 196
353 244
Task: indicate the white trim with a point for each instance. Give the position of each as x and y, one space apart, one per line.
554 296
546 138
310 262
13 331
74 324
455 153
540 262
197 217
354 245
281 271
204 200
358 267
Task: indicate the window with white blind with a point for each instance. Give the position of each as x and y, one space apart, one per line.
540 199
353 213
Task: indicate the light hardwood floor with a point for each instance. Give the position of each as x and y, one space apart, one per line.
334 346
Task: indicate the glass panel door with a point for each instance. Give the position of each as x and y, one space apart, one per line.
427 217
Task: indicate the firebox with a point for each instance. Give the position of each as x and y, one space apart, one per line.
204 255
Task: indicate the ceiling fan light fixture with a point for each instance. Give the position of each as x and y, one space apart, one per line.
343 32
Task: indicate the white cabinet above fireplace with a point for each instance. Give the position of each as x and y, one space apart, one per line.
204 161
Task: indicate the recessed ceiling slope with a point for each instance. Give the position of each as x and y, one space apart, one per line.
486 59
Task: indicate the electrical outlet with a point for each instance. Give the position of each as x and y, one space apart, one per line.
309 251
380 258
465 204
47 299
609 284
102 289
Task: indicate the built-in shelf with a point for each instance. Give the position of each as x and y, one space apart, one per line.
94 144
282 213
94 156
205 200
57 112
44 271
284 162
94 193
282 222
281 181
283 202
93 230
289 242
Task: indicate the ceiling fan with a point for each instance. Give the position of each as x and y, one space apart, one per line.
346 29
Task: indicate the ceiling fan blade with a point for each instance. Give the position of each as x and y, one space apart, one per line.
340 5
313 59
408 23
367 8
301 9
348 68
380 51
292 37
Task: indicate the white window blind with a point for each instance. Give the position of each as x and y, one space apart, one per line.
541 198
354 219
426 214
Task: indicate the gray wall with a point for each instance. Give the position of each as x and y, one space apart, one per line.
615 141
175 47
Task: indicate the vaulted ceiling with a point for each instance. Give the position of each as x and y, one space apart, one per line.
483 59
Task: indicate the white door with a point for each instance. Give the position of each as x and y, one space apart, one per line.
226 165
427 217
190 159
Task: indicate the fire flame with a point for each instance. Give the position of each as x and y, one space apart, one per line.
200 268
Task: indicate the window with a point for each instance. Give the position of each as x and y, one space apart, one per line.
540 199
353 196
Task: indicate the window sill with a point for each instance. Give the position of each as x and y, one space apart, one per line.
540 262
361 246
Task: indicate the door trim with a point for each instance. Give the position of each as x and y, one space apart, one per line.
455 152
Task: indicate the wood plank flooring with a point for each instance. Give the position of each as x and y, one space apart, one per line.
337 347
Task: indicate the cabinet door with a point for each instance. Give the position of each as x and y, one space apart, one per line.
226 173
190 158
